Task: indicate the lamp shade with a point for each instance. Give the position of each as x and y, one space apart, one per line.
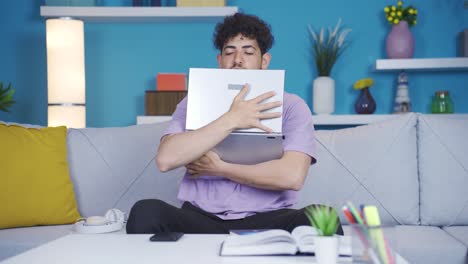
70 116
65 71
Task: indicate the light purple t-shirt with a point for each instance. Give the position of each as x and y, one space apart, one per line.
231 200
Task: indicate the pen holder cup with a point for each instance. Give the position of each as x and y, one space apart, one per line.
373 244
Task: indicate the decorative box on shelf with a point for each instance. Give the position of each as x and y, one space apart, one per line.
171 82
146 2
70 2
463 43
161 103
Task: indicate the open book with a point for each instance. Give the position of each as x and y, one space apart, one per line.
277 242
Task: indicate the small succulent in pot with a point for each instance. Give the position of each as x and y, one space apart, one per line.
323 218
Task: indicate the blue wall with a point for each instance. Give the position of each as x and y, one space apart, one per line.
122 59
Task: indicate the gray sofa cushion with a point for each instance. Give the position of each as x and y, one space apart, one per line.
443 168
428 244
14 241
106 176
372 164
460 233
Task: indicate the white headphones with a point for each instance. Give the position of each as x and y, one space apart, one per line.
112 221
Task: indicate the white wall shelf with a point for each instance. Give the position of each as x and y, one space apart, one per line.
152 119
318 119
139 14
436 64
349 119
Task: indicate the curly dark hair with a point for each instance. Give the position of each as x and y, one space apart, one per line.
249 26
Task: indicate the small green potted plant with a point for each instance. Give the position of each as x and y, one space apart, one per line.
6 97
325 221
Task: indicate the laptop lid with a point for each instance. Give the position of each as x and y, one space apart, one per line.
211 92
210 95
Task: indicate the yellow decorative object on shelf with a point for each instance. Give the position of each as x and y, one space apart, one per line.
397 13
363 83
365 103
182 3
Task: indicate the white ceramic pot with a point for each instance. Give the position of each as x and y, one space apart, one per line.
323 96
326 249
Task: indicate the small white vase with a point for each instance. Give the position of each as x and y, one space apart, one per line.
326 249
323 96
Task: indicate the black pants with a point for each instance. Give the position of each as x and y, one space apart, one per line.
153 216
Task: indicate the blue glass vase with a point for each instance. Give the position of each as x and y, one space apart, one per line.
365 103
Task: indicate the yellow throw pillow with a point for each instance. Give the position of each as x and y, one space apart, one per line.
35 186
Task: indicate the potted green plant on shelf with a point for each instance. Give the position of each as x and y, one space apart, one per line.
325 221
6 97
327 48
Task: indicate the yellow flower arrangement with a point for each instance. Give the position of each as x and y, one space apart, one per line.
363 83
395 14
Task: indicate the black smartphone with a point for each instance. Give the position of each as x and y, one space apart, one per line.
166 236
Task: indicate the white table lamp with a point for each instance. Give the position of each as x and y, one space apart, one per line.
66 73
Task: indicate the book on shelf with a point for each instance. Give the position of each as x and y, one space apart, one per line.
277 242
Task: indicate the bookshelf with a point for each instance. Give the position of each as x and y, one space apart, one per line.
100 14
421 64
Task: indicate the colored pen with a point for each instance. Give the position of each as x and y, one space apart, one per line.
373 220
360 230
391 260
348 215
355 213
362 212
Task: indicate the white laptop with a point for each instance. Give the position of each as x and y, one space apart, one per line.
210 95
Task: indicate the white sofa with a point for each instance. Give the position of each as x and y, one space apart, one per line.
414 167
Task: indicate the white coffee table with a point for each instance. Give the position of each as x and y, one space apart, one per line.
137 249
